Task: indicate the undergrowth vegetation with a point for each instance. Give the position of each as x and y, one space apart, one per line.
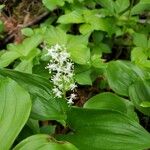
76 76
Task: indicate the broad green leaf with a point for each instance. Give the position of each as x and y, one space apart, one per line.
85 28
121 5
24 49
139 57
121 74
111 101
27 32
72 17
140 40
140 7
14 111
55 36
104 129
25 66
84 78
52 4
139 93
43 142
29 44
45 106
94 18
8 57
108 4
79 51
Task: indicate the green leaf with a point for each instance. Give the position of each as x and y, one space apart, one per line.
45 106
111 101
139 57
104 129
43 142
52 4
55 36
85 28
14 111
72 17
121 5
140 7
108 4
139 93
121 74
140 40
84 78
79 51
27 31
1 26
8 57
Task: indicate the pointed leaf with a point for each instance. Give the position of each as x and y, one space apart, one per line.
121 74
45 106
106 130
139 93
15 106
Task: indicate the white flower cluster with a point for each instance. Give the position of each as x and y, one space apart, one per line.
62 70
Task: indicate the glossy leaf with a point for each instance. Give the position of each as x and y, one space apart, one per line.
45 106
43 142
14 111
104 129
111 101
140 95
121 74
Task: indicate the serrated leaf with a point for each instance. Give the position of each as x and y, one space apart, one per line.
104 129
44 142
14 111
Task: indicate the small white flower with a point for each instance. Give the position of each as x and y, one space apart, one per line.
57 92
73 86
62 69
72 97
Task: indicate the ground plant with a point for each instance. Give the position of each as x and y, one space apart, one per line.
75 75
